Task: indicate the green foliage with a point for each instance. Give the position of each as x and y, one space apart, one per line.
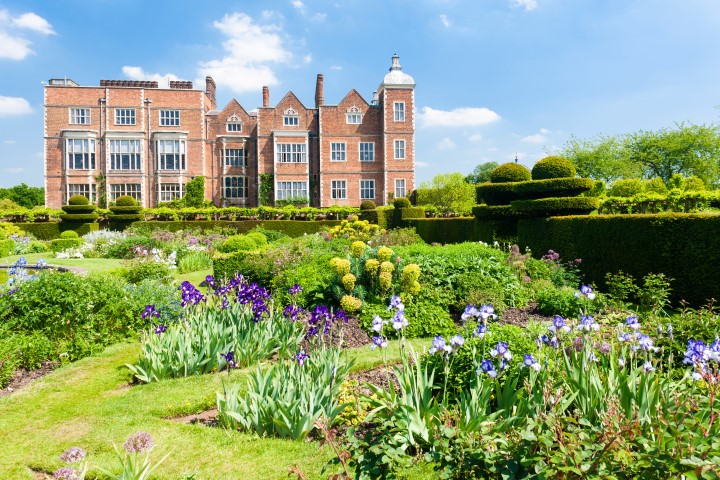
493 212
6 247
79 209
41 230
654 185
600 158
401 202
558 301
367 205
495 193
445 230
69 234
24 196
266 189
195 192
124 247
553 187
553 167
448 192
481 173
681 246
425 319
626 187
559 206
79 217
126 201
510 173
60 244
194 262
259 239
238 243
136 271
291 228
270 235
78 200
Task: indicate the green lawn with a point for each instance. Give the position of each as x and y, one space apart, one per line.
91 404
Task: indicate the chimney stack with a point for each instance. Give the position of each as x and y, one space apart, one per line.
266 97
210 89
319 92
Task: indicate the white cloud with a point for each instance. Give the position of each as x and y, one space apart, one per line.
445 21
420 164
319 17
34 22
536 138
335 67
307 58
446 144
528 5
475 137
14 170
9 142
458 117
14 48
545 131
298 4
14 106
250 48
137 73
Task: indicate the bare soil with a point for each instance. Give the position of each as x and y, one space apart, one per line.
207 418
520 316
22 378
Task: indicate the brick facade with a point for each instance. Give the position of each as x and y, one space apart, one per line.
131 137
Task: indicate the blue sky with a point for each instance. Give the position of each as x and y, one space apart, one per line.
494 77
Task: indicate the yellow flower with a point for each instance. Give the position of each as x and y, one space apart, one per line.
387 267
357 249
385 280
348 281
371 266
350 304
415 288
384 254
411 273
340 265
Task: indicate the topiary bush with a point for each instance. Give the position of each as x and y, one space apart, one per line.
69 234
495 193
509 173
553 167
238 243
401 202
126 201
553 187
367 205
78 200
552 207
259 238
60 244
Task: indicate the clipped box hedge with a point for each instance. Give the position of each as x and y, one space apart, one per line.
79 209
559 206
79 217
553 187
292 228
60 244
445 230
683 246
495 212
496 193
50 230
226 264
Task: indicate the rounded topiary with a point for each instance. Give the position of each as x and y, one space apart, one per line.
553 167
553 187
78 200
69 234
258 238
495 193
401 202
510 172
556 207
238 243
367 205
126 201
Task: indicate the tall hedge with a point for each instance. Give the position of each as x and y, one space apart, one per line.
51 230
445 230
292 228
685 247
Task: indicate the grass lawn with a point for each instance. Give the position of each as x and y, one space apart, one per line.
92 265
91 404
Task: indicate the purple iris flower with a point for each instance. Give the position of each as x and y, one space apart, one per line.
487 367
480 331
632 322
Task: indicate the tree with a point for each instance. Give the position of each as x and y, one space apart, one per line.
601 158
481 174
449 192
24 196
195 193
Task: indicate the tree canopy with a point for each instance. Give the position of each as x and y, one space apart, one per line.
481 174
24 196
449 192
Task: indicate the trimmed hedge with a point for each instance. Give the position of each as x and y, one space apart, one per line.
77 209
124 209
226 264
78 200
559 206
51 230
401 202
79 217
445 230
553 167
553 187
495 212
60 244
683 246
6 247
509 173
401 216
495 193
291 228
125 201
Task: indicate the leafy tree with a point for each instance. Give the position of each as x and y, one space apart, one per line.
195 193
24 196
481 174
449 192
601 158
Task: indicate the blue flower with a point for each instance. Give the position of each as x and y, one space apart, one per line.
587 324
300 357
550 341
530 362
150 312
377 324
457 341
396 303
399 320
378 341
229 357
439 345
644 342
586 291
487 311
480 331
648 366
295 289
558 324
160 329
632 322
501 350
487 367
470 312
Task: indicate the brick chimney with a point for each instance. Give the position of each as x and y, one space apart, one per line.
319 92
266 96
210 89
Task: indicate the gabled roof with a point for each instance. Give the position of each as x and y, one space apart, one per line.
233 106
350 94
289 97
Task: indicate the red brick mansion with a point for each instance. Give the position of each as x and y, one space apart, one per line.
132 138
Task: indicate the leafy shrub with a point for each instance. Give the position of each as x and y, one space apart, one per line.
69 234
6 247
259 239
126 201
78 200
401 202
553 187
558 301
559 206
493 212
135 271
509 173
626 187
553 167
194 261
270 235
238 243
124 246
367 205
445 230
495 193
60 244
425 319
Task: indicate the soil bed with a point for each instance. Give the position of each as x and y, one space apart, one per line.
22 378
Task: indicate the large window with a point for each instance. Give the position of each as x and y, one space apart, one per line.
290 118
337 152
367 189
400 188
80 153
399 111
367 152
291 190
88 191
125 154
233 124
236 187
124 116
291 153
235 157
169 118
80 116
399 149
170 192
338 189
170 154
130 189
